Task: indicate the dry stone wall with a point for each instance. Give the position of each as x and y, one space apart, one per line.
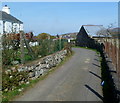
32 72
46 63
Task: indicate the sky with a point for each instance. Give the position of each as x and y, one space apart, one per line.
63 17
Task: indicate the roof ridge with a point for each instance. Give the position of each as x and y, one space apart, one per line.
11 18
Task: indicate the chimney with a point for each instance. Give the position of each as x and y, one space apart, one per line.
6 9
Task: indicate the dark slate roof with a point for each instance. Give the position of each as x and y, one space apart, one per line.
8 17
92 30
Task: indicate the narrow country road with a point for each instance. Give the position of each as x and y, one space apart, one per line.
77 80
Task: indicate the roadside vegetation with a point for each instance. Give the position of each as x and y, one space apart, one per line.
41 45
20 89
45 44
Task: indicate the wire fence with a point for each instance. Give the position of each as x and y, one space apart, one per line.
16 51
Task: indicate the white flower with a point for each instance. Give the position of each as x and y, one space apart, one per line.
27 82
11 76
19 90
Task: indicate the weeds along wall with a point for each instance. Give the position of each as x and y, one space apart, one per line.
22 74
46 53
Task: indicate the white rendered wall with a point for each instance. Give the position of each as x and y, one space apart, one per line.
21 27
8 27
14 27
17 27
1 27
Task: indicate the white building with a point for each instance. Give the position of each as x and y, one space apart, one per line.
8 23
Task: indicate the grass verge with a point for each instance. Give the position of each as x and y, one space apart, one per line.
87 48
9 96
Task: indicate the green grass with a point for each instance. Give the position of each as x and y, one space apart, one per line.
8 96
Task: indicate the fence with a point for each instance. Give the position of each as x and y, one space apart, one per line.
112 48
18 50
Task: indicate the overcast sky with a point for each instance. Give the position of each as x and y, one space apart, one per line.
63 17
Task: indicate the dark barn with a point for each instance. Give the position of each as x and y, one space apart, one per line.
86 35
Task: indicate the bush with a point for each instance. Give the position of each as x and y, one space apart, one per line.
45 47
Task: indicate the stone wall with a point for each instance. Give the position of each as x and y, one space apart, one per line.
44 65
22 74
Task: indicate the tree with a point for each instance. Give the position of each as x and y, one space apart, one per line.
43 36
52 37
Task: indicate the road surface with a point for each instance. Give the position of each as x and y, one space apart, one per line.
77 80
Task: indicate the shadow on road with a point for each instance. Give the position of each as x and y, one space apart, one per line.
96 65
96 93
118 92
113 71
97 60
97 55
95 74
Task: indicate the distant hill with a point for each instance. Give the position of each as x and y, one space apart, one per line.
114 31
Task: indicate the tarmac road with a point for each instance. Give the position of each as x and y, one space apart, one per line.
77 80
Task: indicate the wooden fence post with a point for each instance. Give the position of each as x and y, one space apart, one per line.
119 63
0 68
22 47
